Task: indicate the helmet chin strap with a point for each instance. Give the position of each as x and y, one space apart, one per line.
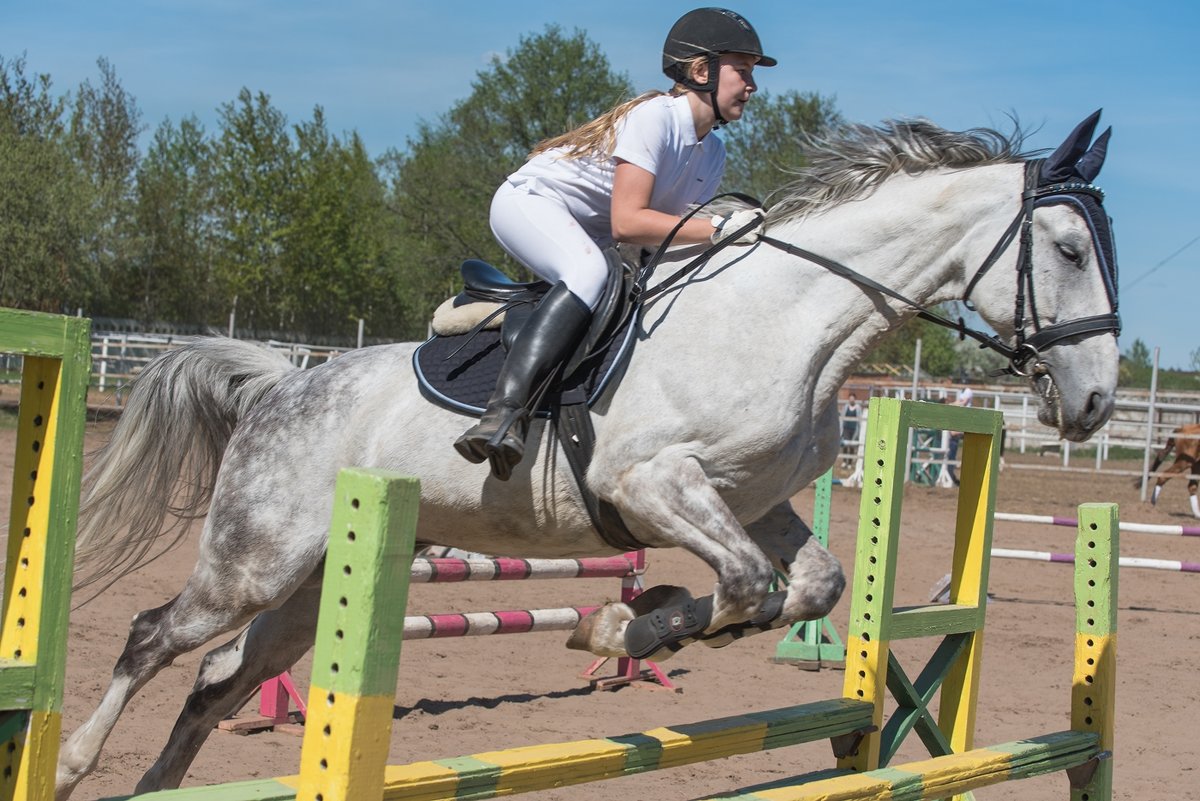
717 111
714 79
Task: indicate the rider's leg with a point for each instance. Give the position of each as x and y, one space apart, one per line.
543 235
548 339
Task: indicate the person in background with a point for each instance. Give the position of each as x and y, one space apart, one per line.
965 396
850 417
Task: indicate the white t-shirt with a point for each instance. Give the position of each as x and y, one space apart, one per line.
659 136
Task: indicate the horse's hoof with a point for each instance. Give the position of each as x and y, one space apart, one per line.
603 631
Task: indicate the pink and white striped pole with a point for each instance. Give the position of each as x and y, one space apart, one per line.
1124 561
1142 528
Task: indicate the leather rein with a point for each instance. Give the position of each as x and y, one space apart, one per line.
1024 350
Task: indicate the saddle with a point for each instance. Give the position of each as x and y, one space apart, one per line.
458 365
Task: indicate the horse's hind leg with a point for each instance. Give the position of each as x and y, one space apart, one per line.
156 638
271 644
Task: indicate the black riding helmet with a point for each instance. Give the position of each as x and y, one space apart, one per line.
709 32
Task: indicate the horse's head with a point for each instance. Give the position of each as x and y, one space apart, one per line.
1064 327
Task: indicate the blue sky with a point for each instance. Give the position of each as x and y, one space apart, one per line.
380 67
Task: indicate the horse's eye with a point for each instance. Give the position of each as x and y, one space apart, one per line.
1069 253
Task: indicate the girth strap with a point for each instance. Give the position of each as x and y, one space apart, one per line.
573 423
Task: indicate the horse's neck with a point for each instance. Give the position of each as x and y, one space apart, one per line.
916 235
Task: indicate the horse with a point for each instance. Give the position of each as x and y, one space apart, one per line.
1185 442
726 407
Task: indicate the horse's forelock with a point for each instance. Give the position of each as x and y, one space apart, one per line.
855 159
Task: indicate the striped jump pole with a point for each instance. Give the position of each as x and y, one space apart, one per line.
446 570
479 624
1140 528
56 358
354 675
1125 561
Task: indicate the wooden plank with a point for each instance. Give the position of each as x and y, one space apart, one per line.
933 620
488 775
16 684
38 334
938 777
873 586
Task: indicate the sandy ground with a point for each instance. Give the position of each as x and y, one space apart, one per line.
462 696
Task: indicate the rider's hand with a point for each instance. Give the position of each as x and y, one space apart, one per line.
725 227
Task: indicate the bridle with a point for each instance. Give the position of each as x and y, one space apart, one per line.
1028 348
1024 354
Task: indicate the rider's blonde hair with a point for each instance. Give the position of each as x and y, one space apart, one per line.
599 137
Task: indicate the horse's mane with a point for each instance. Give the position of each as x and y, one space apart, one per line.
854 159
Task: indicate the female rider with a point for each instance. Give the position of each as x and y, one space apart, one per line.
626 176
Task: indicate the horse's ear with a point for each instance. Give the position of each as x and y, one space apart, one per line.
1089 166
1060 166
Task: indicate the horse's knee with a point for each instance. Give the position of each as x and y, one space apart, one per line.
140 653
741 596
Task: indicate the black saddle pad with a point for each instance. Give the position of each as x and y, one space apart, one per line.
464 381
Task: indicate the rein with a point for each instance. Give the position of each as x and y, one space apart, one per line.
924 312
1019 354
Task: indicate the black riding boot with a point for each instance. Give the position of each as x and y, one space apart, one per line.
548 339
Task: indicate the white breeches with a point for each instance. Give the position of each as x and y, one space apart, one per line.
540 233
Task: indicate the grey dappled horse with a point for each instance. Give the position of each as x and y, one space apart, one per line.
726 409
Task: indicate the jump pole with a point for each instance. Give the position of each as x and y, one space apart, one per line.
1125 561
1141 528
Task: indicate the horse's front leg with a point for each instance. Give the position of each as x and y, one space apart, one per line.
815 578
669 502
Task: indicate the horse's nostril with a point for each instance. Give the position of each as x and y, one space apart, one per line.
1099 407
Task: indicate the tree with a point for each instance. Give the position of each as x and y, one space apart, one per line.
1138 355
104 129
441 189
43 197
768 144
939 349
172 277
253 172
340 246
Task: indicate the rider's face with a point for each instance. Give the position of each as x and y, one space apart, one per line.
736 84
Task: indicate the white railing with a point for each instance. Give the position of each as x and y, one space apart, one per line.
117 359
1130 428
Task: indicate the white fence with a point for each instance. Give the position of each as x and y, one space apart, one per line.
117 359
1136 425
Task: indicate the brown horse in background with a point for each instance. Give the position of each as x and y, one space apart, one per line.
1185 441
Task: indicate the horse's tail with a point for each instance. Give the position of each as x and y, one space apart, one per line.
165 451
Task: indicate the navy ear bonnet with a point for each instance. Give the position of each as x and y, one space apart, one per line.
1066 177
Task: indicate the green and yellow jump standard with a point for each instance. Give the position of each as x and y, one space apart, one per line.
41 543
